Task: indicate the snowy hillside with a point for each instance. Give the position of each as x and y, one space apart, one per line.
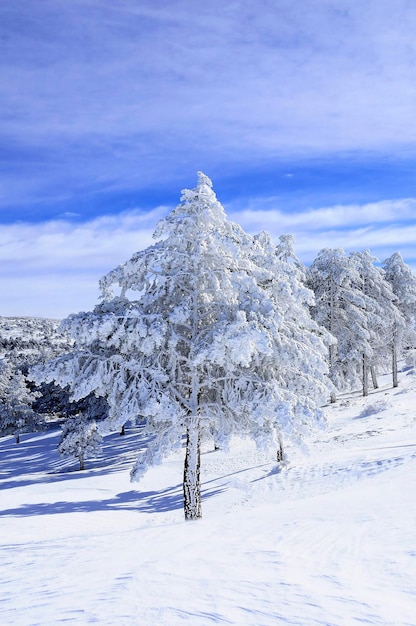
25 339
328 541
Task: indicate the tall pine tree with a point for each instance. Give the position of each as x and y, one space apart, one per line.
207 333
16 413
384 321
403 284
340 308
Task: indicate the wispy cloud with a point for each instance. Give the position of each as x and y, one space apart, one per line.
384 227
105 103
52 269
339 217
97 93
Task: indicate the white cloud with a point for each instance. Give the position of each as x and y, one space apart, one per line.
53 269
120 96
384 227
340 216
127 92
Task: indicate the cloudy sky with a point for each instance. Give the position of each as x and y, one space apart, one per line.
302 113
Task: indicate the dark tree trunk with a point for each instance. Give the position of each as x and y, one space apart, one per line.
123 430
280 451
81 462
191 474
394 365
332 352
365 375
17 437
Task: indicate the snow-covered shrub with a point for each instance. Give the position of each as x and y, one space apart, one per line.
80 439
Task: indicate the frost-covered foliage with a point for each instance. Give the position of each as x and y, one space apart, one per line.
403 284
355 303
55 403
25 341
16 413
285 251
339 307
80 439
28 340
384 322
207 333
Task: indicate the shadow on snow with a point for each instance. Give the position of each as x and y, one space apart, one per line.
169 499
37 460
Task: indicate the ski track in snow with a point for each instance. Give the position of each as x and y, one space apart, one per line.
329 540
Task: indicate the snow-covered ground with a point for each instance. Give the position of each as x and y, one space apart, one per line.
328 541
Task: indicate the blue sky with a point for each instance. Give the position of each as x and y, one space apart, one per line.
301 113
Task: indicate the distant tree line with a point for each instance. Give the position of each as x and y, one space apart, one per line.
28 407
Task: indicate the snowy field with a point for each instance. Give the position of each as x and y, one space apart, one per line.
328 541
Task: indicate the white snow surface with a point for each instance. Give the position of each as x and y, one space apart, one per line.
330 540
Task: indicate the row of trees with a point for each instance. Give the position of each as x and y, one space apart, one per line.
211 332
25 407
370 310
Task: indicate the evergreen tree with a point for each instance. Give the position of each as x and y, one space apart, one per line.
384 321
340 308
403 284
80 438
16 413
218 341
355 303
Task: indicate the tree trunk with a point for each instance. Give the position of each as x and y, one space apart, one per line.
394 364
374 377
17 437
280 451
365 375
191 474
331 351
123 430
81 462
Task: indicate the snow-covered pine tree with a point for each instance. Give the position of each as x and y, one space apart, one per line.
356 304
285 251
340 308
384 321
16 413
298 321
216 342
80 438
403 283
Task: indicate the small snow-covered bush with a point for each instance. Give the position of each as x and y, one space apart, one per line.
80 439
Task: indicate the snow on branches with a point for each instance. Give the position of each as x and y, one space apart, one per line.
80 438
356 304
16 413
215 340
